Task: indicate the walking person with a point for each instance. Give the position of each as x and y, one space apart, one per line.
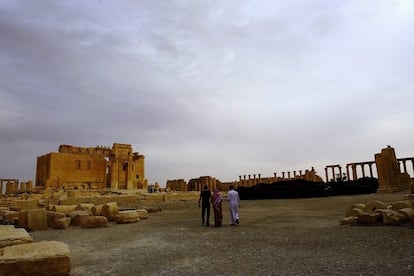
234 204
205 196
218 214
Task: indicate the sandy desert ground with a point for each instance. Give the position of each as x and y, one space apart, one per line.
275 237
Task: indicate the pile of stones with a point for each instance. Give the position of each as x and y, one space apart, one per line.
376 212
86 215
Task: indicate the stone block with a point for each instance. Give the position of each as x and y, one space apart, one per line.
26 204
23 219
407 213
63 208
142 213
401 204
36 219
110 210
9 235
97 210
9 217
348 220
152 209
373 205
358 206
53 216
62 223
40 258
76 217
129 216
354 212
94 221
369 218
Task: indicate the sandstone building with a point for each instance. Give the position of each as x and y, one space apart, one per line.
92 168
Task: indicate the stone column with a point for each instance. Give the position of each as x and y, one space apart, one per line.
326 174
354 172
347 172
289 175
370 170
412 164
404 166
283 175
300 172
9 187
333 173
363 169
340 172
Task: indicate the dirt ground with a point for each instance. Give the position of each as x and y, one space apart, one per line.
275 237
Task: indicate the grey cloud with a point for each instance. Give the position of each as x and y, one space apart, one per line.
220 88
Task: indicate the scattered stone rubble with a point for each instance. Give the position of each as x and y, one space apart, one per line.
376 212
20 255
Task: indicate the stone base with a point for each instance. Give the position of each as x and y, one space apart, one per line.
13 236
41 258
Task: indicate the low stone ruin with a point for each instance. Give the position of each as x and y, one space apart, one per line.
20 255
63 216
376 212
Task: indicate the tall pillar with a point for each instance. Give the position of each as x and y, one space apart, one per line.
260 177
370 170
300 172
404 166
326 174
363 169
354 172
412 164
347 172
9 187
340 172
333 173
283 175
294 173
289 175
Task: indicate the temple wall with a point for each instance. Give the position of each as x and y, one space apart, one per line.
88 167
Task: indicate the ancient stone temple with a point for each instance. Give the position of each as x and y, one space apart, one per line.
92 168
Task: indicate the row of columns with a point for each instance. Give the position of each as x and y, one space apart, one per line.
354 167
403 161
253 180
209 181
12 185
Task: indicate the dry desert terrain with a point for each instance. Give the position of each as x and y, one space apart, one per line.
275 237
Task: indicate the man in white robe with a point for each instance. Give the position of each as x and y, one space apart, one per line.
234 204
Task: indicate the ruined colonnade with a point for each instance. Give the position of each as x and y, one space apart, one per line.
12 185
352 169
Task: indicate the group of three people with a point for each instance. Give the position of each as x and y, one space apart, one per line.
216 200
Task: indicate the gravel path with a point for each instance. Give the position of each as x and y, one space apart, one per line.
275 237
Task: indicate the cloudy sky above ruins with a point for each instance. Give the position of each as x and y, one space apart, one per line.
220 88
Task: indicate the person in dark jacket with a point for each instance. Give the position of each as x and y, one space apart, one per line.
205 196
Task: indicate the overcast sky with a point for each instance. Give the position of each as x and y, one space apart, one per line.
219 88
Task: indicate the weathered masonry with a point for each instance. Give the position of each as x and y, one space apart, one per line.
92 168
